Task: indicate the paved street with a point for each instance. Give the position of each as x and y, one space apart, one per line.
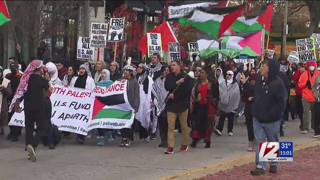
143 161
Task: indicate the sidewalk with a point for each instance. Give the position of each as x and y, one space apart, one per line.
305 165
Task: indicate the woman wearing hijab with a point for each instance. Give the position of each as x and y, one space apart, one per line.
229 100
100 65
70 76
6 92
105 82
143 115
204 98
114 71
160 95
83 81
219 75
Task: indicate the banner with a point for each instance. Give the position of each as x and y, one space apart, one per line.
316 38
183 10
174 51
193 49
111 108
293 57
154 44
98 34
116 28
84 51
306 50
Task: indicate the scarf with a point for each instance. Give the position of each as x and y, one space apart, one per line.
107 79
86 67
81 81
152 70
230 80
160 94
22 88
220 78
143 78
283 68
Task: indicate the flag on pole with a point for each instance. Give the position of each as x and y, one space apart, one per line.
207 46
4 13
213 20
254 23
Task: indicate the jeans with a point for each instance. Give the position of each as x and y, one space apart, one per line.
265 132
183 116
48 110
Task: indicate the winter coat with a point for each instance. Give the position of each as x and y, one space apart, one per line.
305 76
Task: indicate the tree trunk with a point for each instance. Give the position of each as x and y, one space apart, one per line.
314 17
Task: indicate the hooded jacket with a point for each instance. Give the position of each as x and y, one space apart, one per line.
270 96
220 78
117 75
304 78
296 77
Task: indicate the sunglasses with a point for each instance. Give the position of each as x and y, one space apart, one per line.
140 67
229 74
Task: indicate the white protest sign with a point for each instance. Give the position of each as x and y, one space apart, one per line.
270 53
316 38
306 50
174 51
154 44
116 28
111 108
293 57
84 51
183 10
193 50
98 34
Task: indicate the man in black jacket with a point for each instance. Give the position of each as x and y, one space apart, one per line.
270 97
177 83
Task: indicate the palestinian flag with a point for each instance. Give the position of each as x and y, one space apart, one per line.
207 45
4 13
254 23
213 20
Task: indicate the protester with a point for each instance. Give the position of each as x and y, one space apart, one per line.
219 75
197 72
229 100
305 83
286 70
83 81
134 100
177 84
160 95
144 112
247 97
270 96
70 76
205 97
114 71
44 53
316 93
100 65
14 76
6 92
62 71
105 82
298 91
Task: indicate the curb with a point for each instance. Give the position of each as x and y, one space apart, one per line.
215 168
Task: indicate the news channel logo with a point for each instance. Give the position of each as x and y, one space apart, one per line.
276 151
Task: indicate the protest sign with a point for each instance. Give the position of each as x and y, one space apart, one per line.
184 9
154 44
98 34
316 38
306 50
193 49
111 109
116 27
84 51
270 53
174 51
293 57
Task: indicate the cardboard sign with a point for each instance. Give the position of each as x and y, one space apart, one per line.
174 51
193 49
98 34
154 44
306 50
293 57
316 38
84 50
270 53
116 28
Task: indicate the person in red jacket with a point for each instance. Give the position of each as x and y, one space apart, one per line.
306 81
298 97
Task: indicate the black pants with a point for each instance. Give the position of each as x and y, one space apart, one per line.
14 130
287 110
100 132
127 132
316 118
249 123
32 117
299 107
222 118
163 127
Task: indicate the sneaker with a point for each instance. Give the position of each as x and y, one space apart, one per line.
119 133
147 139
80 141
273 169
163 144
51 146
32 153
153 137
28 157
101 142
122 143
127 143
304 132
89 136
109 137
217 132
316 136
230 133
184 148
258 172
169 150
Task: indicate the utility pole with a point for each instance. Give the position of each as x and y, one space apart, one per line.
86 18
285 30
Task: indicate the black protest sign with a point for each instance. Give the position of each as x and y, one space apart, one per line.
306 50
98 34
154 44
84 50
116 28
174 51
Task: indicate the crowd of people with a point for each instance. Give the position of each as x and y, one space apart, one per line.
201 96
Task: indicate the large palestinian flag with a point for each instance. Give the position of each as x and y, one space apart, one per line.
4 13
207 45
213 20
111 107
254 23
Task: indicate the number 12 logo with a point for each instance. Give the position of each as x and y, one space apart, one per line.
268 150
